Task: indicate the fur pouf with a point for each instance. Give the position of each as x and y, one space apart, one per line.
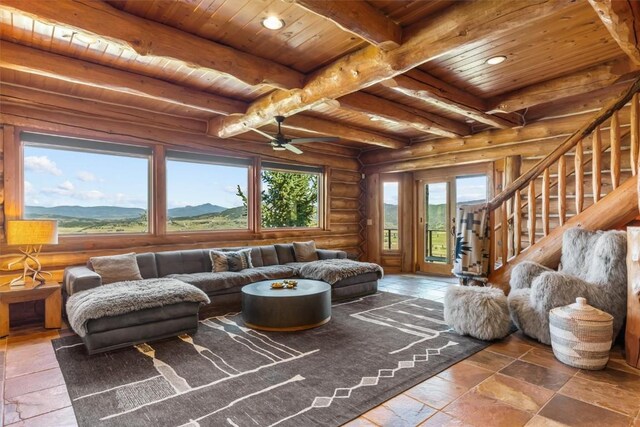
480 312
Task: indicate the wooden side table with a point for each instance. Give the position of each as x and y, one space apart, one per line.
50 292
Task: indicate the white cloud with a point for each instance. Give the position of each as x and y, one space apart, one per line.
28 187
67 186
41 164
85 176
91 195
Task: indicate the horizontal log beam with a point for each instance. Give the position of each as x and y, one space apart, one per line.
534 139
40 63
419 85
359 18
371 65
331 128
406 116
622 19
98 19
583 81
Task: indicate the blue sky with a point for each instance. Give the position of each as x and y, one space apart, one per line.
59 177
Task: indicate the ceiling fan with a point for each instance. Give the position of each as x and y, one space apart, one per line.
279 142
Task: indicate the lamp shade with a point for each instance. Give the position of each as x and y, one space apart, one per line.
32 232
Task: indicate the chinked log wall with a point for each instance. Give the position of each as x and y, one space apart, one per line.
39 111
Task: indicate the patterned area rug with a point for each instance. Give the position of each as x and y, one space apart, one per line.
227 375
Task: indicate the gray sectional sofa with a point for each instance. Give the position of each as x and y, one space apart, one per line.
194 267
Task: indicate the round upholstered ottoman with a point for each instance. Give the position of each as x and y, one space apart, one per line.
481 312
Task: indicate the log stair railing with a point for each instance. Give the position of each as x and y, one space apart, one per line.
529 196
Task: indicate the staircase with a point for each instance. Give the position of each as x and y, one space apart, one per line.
590 180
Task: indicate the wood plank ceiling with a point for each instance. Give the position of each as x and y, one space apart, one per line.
378 73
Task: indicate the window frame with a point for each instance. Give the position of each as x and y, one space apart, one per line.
73 144
157 233
321 171
398 181
210 159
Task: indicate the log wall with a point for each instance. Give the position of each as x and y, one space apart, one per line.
27 109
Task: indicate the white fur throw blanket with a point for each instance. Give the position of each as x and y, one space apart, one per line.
334 270
126 297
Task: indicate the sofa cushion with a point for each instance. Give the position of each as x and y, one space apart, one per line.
214 282
305 251
361 278
182 262
116 268
285 253
147 265
230 260
269 255
141 317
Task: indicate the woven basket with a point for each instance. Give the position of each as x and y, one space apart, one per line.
581 335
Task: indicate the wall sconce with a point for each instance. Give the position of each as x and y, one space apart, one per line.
31 234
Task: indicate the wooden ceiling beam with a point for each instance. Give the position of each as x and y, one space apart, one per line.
622 19
357 17
331 128
420 85
381 108
41 63
544 129
97 19
582 81
448 32
50 65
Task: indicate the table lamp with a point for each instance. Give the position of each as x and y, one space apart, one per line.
31 235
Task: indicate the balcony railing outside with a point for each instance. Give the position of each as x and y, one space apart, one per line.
390 238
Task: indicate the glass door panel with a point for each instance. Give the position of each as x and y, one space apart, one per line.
438 200
436 220
471 190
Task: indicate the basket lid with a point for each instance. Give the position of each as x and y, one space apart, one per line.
580 310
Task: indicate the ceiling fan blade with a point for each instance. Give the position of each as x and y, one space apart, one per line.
317 139
292 148
266 135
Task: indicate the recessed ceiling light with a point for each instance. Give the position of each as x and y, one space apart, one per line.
495 60
272 23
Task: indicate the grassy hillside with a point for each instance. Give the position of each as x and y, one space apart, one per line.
113 219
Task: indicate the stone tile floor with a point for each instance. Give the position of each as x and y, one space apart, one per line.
514 382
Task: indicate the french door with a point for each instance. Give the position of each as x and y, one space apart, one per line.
438 200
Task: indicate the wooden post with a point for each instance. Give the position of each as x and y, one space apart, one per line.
562 189
505 233
615 150
632 334
596 164
546 182
579 176
493 239
512 166
635 133
531 200
517 223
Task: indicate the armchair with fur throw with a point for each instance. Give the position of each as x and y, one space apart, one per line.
593 266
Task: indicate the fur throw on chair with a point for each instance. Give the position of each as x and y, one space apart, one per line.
593 266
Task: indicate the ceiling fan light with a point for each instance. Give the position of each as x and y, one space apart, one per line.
279 148
272 23
495 60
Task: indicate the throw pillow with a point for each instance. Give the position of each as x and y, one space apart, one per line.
116 268
230 261
305 251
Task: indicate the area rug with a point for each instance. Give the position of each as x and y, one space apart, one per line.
373 348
